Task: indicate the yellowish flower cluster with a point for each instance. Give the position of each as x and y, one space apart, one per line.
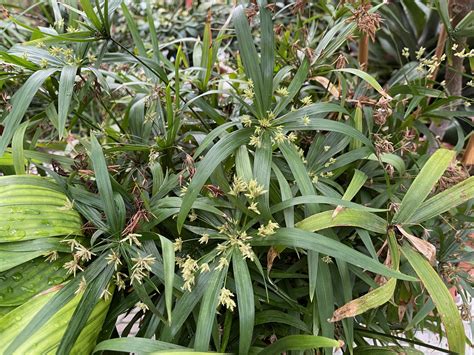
141 267
248 92
252 189
80 253
269 229
235 238
225 299
431 64
115 259
282 91
188 270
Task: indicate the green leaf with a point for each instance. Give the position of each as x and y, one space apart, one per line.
267 62
20 102
40 316
262 171
104 185
18 153
249 56
442 298
84 309
423 184
275 316
358 180
297 238
24 281
294 87
168 266
207 311
219 152
91 15
374 298
245 301
444 201
135 344
346 217
66 88
366 77
300 342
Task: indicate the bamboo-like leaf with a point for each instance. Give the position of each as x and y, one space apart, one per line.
261 172
103 184
249 56
367 78
300 342
294 87
136 344
66 88
374 298
423 184
91 15
18 152
207 311
267 61
443 300
168 266
347 217
297 238
219 152
20 102
274 316
444 201
245 302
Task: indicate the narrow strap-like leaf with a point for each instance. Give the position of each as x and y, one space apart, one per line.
66 88
423 184
443 300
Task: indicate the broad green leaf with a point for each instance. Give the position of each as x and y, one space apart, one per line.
20 102
66 88
346 217
442 298
444 201
91 297
24 281
297 238
245 301
300 342
423 184
47 315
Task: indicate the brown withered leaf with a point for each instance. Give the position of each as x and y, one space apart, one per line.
427 249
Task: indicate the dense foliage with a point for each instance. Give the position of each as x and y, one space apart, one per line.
258 178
